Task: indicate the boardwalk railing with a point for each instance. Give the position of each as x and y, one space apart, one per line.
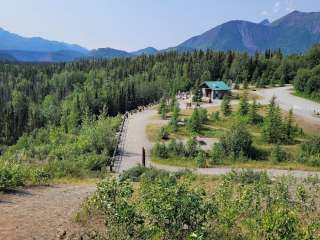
119 146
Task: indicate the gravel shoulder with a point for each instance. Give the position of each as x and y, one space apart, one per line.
42 213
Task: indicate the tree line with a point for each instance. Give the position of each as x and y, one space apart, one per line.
43 95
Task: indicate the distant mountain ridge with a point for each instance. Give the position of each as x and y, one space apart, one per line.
293 33
11 41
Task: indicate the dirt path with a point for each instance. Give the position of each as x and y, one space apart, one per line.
300 106
136 139
41 213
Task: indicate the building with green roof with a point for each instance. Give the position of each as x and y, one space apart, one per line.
215 90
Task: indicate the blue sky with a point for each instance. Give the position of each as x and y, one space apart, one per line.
135 24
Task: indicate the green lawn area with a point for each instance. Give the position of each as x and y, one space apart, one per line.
216 129
190 163
306 96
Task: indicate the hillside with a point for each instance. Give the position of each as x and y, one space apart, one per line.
145 51
293 33
11 41
108 53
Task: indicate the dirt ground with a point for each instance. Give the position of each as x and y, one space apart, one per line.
42 213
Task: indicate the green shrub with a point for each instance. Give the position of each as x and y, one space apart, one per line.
237 141
226 106
191 148
253 116
11 176
40 176
194 123
247 176
280 223
133 174
217 154
278 154
163 134
215 116
244 105
310 152
160 150
203 115
201 159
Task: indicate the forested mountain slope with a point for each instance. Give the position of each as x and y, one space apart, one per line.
294 33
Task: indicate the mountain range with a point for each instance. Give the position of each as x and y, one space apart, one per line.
293 33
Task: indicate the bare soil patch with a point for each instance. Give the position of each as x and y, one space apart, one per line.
42 212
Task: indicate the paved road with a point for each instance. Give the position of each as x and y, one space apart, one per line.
136 139
302 107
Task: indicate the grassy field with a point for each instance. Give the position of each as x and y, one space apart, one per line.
216 129
250 164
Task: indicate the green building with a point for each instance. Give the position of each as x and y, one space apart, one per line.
215 90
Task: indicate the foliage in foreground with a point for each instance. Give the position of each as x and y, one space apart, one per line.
52 152
244 205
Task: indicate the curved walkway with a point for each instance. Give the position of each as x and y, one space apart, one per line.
136 139
300 106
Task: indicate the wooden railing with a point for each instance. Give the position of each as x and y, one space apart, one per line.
117 155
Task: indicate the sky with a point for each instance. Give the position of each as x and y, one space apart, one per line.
135 24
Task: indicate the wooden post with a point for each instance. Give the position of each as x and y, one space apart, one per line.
143 157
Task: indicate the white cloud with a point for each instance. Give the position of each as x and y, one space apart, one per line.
289 6
277 7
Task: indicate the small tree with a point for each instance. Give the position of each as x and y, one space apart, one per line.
237 141
226 106
175 118
203 114
163 108
163 134
215 116
253 115
244 105
194 123
173 103
289 128
273 130
191 148
201 159
277 154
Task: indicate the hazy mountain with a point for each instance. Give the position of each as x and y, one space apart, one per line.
108 53
293 33
31 56
145 51
11 41
265 22
5 57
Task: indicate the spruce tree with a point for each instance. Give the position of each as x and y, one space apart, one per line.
289 128
194 123
253 116
273 131
244 105
226 106
175 118
163 109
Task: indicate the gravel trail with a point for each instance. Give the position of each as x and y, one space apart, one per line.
301 107
41 213
136 139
